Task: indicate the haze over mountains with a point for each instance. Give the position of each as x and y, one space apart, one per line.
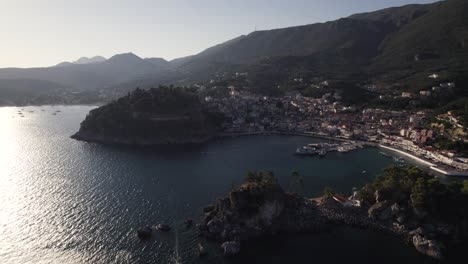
93 73
394 44
83 60
423 37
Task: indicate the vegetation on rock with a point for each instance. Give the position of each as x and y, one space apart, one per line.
416 189
328 193
155 116
406 202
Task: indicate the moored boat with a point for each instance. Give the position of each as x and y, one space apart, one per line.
306 151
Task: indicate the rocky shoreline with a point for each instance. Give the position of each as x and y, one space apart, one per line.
137 142
383 217
255 210
158 116
142 142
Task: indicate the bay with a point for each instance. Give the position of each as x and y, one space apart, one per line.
66 201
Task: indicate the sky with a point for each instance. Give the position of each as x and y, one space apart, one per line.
36 33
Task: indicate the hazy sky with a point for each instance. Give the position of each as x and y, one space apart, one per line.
45 32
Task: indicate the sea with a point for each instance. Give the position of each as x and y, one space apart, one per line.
67 201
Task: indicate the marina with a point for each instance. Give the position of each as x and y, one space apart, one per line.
321 149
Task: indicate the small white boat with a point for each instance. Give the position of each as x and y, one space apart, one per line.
384 154
322 153
306 150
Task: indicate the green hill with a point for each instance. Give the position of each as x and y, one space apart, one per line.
150 117
392 45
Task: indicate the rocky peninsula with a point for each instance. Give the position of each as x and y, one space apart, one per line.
260 207
164 115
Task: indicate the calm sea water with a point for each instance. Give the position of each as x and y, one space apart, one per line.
65 201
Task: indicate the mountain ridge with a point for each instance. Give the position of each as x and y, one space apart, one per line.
393 45
82 60
91 75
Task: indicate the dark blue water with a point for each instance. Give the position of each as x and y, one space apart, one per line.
65 201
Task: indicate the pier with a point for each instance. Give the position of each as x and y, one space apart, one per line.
346 145
322 149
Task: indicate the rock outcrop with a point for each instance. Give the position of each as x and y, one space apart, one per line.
427 247
258 209
150 117
144 233
163 227
380 211
230 248
202 252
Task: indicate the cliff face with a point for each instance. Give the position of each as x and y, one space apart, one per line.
258 209
156 116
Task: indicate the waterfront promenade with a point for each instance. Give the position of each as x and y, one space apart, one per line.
425 162
433 166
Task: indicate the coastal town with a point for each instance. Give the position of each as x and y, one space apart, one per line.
234 132
412 133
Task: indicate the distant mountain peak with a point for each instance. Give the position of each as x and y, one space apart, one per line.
156 59
86 60
128 55
64 64
82 61
159 63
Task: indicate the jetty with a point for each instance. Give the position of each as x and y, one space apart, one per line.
322 149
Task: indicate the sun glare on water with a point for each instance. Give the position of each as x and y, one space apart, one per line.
7 144
8 185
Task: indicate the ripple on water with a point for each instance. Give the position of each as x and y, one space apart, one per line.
65 201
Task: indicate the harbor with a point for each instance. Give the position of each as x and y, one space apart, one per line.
321 149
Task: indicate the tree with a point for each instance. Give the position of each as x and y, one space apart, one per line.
419 194
366 194
259 177
296 183
465 187
269 177
251 176
416 188
328 192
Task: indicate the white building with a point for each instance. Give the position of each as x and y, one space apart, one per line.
425 93
406 95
